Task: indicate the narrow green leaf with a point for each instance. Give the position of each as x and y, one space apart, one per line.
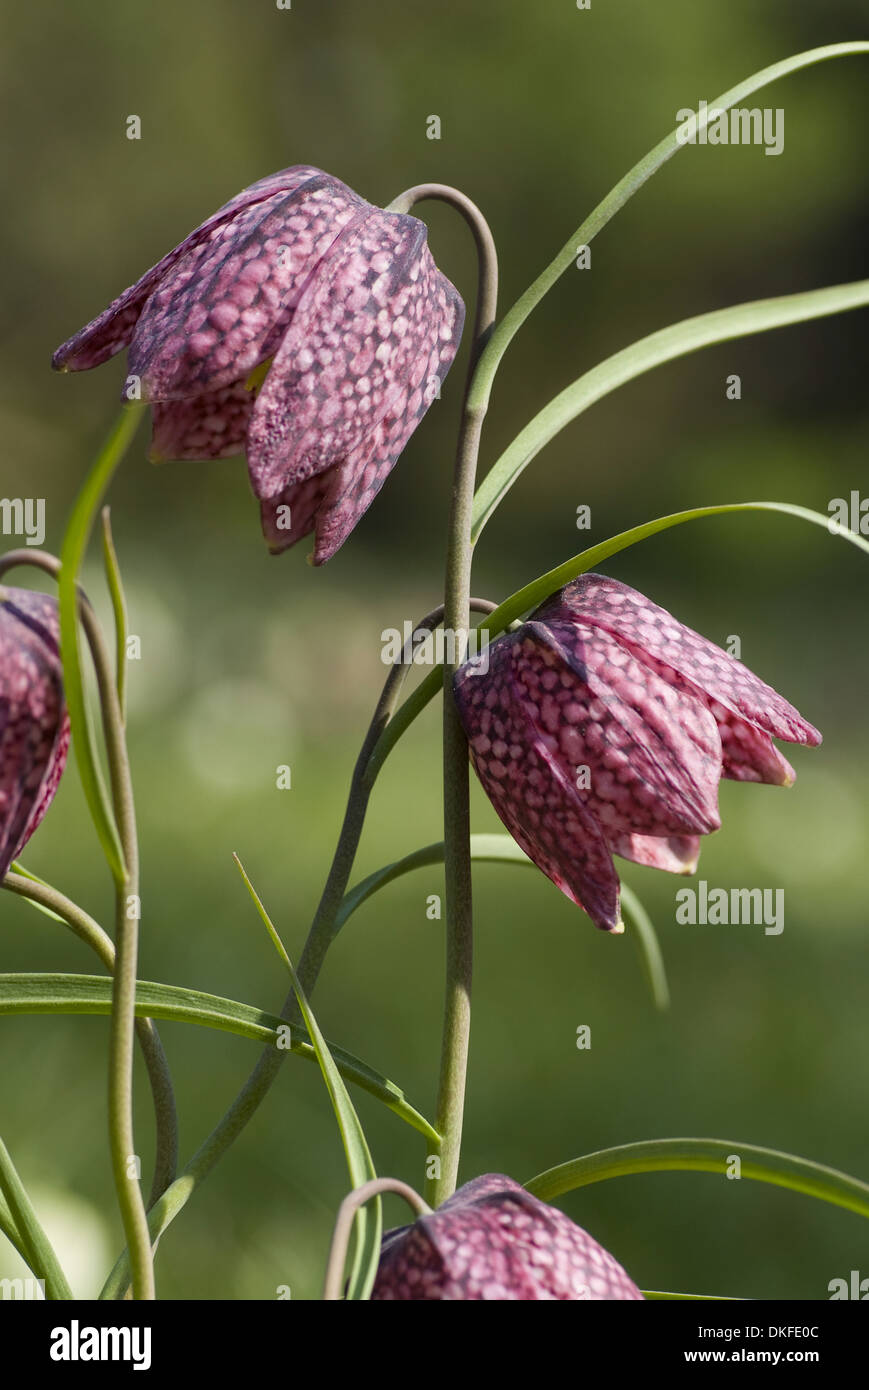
705 1156
72 554
618 196
675 341
119 609
28 993
534 593
539 589
369 1219
503 849
484 848
649 947
37 1248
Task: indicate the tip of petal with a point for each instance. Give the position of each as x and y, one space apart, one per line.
616 930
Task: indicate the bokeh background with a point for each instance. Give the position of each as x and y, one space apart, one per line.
249 662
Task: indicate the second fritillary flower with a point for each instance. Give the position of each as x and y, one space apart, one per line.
603 726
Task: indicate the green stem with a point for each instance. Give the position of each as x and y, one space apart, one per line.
33 1242
160 1080
457 821
118 836
320 936
165 1112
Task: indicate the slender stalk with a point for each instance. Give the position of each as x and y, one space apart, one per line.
320 935
457 822
344 1225
34 1243
165 1112
160 1080
118 837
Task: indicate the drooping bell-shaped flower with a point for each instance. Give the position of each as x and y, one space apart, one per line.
299 324
492 1240
603 726
34 726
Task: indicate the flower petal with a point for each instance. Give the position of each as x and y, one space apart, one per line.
354 483
367 317
34 729
224 306
652 631
676 854
212 426
493 1241
113 329
749 754
651 753
293 515
530 791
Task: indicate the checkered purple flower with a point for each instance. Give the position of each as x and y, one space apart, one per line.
299 324
34 726
492 1240
603 726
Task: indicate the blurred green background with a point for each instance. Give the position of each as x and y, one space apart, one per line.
249 662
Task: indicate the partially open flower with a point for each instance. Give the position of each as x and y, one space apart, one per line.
603 726
300 324
492 1240
34 726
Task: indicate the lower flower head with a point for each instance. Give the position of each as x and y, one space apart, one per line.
492 1240
603 726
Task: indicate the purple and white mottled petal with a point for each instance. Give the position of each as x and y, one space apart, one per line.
652 631
676 854
749 755
34 729
113 329
366 469
343 366
653 753
292 515
213 426
224 307
493 1241
528 787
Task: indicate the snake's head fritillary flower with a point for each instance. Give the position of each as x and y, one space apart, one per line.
603 725
299 324
34 726
493 1240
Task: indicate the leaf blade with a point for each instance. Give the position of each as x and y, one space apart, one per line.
705 1156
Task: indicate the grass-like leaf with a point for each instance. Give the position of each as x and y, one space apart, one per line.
72 554
119 609
705 1156
32 1242
678 340
503 849
623 191
534 593
369 1219
649 947
27 993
